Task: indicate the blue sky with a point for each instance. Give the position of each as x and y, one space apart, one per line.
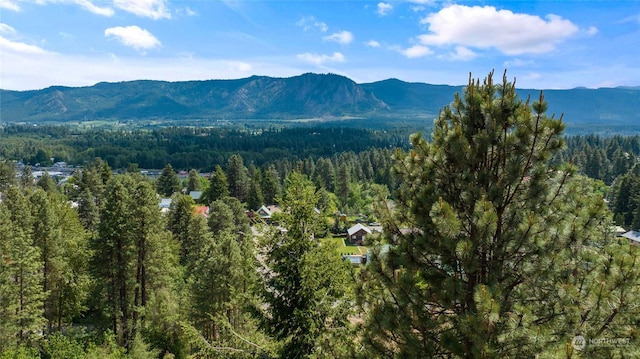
543 44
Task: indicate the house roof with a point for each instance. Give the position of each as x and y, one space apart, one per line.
618 230
201 210
274 208
165 202
195 195
357 228
264 212
632 236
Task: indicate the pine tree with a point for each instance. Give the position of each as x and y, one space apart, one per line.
238 176
93 177
21 291
168 183
88 211
63 245
255 198
193 181
179 222
7 174
47 183
46 238
114 260
221 218
218 186
223 277
342 182
325 174
135 259
26 180
493 251
270 185
305 285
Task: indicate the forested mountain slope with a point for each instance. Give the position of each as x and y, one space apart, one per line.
305 96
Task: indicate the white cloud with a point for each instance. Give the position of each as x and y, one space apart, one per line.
384 8
632 18
309 22
531 76
154 9
7 45
463 54
6 29
342 37
190 12
424 2
416 51
85 4
12 46
487 27
592 30
318 60
517 63
372 43
418 8
239 66
9 5
23 71
133 36
88 5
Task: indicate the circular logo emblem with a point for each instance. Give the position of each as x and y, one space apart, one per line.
579 342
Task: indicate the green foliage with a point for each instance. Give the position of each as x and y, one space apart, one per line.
489 242
238 176
88 211
20 352
270 185
47 183
193 181
63 244
26 179
135 260
625 194
306 285
255 198
21 291
218 186
168 183
61 346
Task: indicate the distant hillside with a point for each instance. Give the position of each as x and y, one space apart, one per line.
304 96
308 95
619 105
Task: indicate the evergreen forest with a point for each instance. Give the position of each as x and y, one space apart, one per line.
499 238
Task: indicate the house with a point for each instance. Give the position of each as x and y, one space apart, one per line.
619 231
164 204
195 195
201 211
264 212
357 233
633 237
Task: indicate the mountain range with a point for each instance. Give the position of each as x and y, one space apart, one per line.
305 96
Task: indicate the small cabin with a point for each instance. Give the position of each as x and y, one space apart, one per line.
357 234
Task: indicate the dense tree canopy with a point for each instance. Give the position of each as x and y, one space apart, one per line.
492 245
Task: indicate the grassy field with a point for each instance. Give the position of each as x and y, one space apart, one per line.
343 249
